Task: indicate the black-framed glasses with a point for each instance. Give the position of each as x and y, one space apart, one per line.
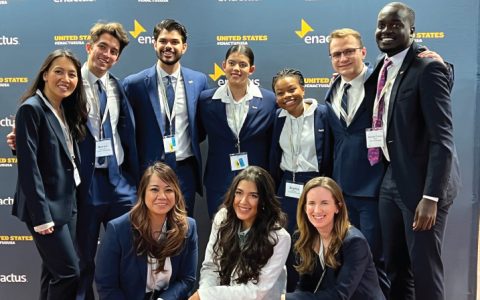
347 53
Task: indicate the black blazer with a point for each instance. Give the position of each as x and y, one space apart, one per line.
355 279
420 131
45 187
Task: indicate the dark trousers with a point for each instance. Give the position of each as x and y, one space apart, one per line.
60 267
413 258
289 206
186 171
363 214
107 203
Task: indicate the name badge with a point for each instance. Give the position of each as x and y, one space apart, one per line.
76 176
103 148
169 144
293 189
375 138
238 161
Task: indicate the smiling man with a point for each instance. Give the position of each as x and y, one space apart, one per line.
164 101
413 115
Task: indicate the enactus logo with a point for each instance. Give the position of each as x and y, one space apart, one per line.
305 33
136 32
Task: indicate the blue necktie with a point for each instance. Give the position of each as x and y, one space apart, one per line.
170 93
346 86
113 171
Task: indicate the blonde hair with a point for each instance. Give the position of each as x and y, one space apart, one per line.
308 234
344 32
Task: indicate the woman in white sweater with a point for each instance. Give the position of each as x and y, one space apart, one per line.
246 253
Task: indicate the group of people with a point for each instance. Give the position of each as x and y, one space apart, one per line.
281 228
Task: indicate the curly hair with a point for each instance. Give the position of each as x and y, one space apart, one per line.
177 223
248 260
308 234
75 105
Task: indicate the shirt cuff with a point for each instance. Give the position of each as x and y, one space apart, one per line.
42 227
435 199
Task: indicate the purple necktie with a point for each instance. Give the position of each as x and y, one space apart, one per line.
374 153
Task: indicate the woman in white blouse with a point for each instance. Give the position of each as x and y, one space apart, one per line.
247 249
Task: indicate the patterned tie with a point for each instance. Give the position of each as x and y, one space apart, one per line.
113 171
343 117
170 158
170 93
374 153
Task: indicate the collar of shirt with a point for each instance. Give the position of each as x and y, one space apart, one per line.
397 59
356 82
223 93
306 112
163 74
92 79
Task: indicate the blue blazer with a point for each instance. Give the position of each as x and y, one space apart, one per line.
350 147
255 136
322 143
142 91
355 279
126 130
122 275
45 189
420 131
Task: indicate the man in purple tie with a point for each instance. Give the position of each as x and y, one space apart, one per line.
412 133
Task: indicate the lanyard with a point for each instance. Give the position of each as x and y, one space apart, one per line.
163 98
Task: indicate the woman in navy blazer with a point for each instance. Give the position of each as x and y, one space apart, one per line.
49 123
150 252
237 118
334 257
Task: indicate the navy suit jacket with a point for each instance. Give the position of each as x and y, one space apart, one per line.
350 147
255 136
45 187
322 143
420 131
355 279
122 275
126 130
142 91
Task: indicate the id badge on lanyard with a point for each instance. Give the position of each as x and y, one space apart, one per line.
169 144
238 161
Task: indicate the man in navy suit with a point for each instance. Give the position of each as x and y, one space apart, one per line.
422 179
164 102
109 178
350 103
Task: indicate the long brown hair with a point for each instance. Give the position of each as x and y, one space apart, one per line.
177 223
308 234
248 261
75 105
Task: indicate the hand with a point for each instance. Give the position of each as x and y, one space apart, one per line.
195 296
431 54
425 215
46 231
11 139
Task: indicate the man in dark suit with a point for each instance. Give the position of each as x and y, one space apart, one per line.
350 103
164 102
412 113
109 178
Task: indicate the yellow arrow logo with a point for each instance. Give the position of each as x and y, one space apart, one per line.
137 29
217 72
305 28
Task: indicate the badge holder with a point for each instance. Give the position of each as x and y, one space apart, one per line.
238 161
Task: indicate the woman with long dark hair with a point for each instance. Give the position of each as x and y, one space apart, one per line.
150 252
49 123
335 261
248 247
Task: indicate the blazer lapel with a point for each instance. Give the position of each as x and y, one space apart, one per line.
393 95
52 119
151 86
190 99
254 106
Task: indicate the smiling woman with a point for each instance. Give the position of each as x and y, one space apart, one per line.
247 249
156 240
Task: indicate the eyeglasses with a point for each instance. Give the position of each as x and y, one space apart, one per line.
347 53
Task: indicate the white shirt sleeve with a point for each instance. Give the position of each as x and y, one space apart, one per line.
209 282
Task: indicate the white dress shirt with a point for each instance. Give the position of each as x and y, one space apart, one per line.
182 133
297 140
236 110
93 104
271 282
